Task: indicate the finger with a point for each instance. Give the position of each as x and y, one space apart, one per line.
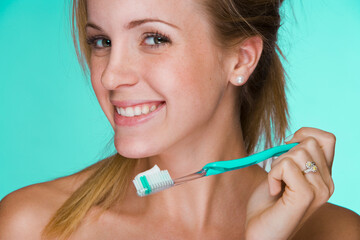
326 141
309 151
315 154
322 192
289 172
276 160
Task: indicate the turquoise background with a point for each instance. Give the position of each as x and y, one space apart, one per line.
51 124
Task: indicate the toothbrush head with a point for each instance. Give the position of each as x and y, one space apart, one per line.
151 181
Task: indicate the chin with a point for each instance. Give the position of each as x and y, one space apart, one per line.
135 149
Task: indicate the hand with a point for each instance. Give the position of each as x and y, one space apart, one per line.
276 212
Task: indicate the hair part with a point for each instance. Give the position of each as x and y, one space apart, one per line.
262 101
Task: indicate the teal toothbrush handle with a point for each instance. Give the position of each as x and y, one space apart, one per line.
225 166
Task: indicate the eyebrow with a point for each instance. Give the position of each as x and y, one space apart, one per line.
93 25
136 23
133 24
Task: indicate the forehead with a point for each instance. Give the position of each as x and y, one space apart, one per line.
178 12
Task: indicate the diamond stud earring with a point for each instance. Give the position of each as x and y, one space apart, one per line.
240 80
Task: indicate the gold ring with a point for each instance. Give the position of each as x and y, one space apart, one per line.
310 167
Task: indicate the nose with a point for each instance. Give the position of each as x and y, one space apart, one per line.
120 71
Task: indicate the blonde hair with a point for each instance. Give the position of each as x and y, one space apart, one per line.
263 105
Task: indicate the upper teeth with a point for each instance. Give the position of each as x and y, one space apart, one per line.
136 111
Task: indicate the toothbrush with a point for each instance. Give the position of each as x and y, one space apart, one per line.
155 180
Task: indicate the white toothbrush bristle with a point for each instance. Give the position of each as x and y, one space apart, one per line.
157 180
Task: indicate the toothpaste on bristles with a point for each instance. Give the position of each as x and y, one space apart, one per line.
152 180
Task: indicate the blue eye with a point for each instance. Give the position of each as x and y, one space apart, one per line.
103 42
150 39
155 39
99 42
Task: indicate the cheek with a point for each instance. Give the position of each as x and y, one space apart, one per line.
191 81
96 70
191 88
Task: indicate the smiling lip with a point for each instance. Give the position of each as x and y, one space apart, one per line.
132 103
135 120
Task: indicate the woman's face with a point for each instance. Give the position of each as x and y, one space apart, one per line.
155 71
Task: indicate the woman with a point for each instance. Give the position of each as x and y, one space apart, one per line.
185 83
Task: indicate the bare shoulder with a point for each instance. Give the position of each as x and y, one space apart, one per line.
331 222
25 212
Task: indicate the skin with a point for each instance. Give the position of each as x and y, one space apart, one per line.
199 124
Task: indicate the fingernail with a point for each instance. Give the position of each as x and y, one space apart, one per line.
288 138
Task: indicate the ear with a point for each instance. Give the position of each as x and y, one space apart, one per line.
244 60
